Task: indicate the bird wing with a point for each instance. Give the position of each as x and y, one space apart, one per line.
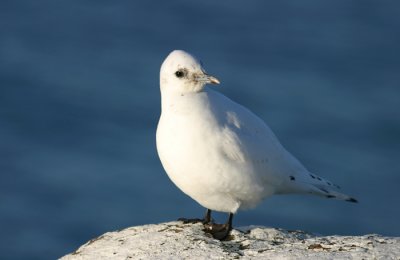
247 139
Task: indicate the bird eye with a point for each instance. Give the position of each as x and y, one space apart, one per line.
179 74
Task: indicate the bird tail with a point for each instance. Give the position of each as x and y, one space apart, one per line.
316 185
309 183
327 189
329 193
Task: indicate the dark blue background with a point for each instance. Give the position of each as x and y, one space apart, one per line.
79 105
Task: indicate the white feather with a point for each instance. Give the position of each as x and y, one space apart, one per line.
220 153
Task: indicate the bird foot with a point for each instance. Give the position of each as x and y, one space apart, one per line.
194 220
218 231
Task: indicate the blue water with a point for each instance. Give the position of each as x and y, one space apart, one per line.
79 105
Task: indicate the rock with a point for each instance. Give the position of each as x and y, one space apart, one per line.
175 240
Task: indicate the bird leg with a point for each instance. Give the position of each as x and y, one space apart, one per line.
206 220
219 231
207 217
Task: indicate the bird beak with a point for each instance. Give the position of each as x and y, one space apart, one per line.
207 79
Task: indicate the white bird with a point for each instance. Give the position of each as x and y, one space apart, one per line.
218 152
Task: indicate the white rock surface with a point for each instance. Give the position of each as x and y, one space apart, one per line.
175 240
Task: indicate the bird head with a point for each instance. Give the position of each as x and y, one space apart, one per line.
183 73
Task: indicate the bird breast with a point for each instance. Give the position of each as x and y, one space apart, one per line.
200 156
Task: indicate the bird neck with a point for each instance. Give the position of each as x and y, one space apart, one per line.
178 101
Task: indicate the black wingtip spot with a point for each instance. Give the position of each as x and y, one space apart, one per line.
322 189
312 176
330 196
352 200
292 178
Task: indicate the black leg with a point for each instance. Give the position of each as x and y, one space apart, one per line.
207 217
220 231
206 220
230 220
